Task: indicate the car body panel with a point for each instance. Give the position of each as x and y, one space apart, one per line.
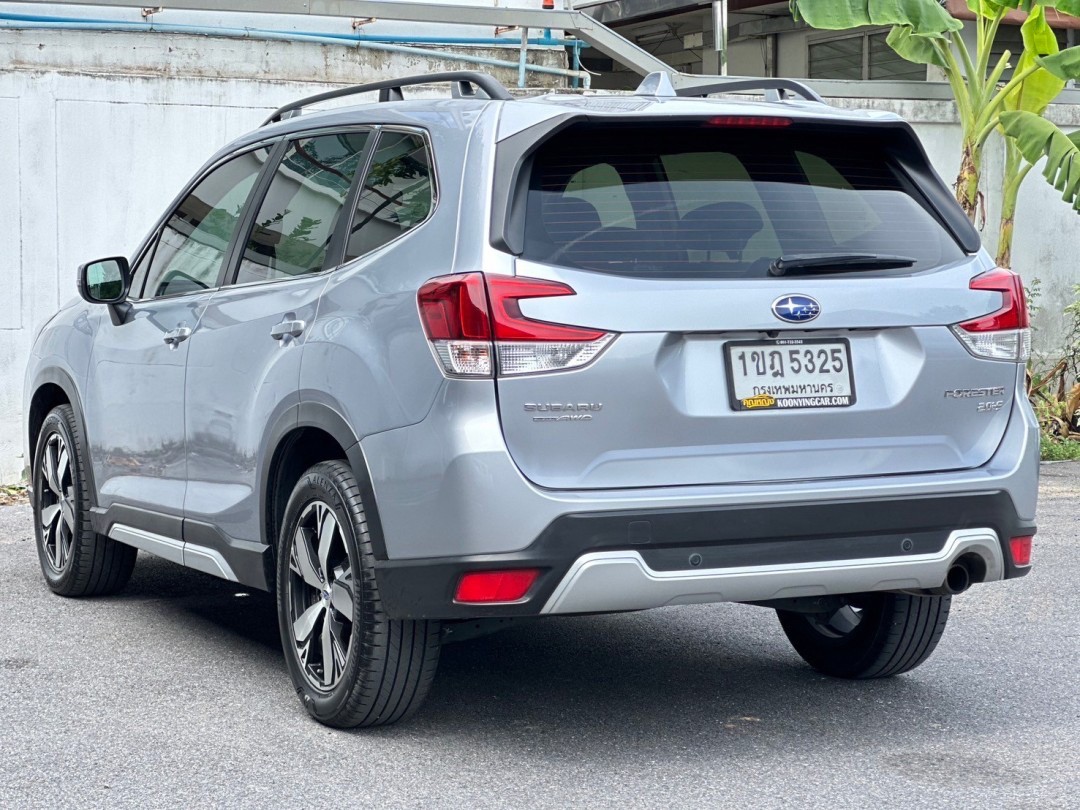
134 404
669 363
239 379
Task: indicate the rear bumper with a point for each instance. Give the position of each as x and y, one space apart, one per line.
451 500
631 560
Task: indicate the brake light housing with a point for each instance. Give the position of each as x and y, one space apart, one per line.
748 121
495 587
476 328
1005 333
1020 548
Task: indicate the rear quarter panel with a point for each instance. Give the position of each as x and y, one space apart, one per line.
367 357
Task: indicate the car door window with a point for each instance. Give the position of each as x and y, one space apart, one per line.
297 217
193 244
397 194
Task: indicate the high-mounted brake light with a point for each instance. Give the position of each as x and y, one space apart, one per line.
473 320
759 121
1004 334
487 587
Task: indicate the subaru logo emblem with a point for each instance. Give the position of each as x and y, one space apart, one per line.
796 308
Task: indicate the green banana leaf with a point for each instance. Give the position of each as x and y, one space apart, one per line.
1037 138
1071 7
914 47
921 16
1064 64
988 8
1040 88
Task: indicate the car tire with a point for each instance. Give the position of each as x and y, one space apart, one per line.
329 610
75 560
875 635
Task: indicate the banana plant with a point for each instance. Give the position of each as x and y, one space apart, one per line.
1036 138
1032 98
925 33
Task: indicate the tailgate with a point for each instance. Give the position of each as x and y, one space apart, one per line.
721 371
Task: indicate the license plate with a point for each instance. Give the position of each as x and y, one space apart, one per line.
789 373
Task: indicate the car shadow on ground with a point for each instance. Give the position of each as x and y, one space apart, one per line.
706 677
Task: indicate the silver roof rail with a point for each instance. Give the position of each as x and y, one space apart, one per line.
467 84
774 89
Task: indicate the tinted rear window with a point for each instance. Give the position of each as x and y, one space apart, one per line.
694 200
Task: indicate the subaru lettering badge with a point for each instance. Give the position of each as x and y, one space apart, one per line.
796 308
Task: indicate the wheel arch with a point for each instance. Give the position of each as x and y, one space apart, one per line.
307 433
54 386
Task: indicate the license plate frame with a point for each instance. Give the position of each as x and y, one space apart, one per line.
768 402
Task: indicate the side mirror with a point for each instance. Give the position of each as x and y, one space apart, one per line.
105 281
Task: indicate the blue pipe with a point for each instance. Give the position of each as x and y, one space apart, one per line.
547 39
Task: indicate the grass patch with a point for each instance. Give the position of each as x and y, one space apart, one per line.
1052 449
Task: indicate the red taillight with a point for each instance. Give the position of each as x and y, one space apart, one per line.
495 586
760 121
1004 333
471 319
455 308
1021 550
506 291
1013 313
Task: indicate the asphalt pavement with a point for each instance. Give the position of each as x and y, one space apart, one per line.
175 694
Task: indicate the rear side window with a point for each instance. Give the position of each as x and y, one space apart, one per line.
694 200
397 194
292 229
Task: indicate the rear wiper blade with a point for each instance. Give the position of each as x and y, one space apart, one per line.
836 262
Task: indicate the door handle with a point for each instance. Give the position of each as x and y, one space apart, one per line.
288 329
177 336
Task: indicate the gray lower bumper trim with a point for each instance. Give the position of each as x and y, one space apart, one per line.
608 581
200 558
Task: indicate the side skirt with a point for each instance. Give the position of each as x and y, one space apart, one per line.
189 543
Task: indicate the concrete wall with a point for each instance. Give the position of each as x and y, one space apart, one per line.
98 132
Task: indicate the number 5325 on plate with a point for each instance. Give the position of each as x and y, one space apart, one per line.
789 373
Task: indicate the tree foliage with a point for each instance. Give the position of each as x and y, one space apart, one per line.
1036 138
925 33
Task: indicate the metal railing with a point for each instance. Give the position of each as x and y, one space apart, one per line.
574 22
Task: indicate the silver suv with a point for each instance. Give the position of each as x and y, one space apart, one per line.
425 367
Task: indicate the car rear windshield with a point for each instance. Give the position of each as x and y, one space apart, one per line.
698 199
